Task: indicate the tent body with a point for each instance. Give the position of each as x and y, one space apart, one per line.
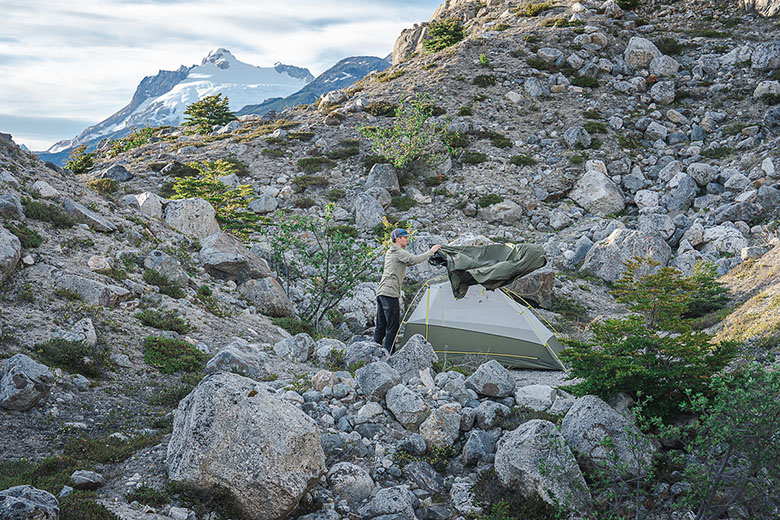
486 323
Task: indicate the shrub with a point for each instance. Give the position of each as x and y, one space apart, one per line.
443 34
370 160
668 45
595 127
489 199
148 495
718 152
531 9
771 98
465 110
413 136
540 64
47 213
585 81
304 202
102 186
592 114
403 202
502 27
293 326
302 182
49 474
313 164
628 5
499 141
28 237
384 77
163 283
336 194
455 140
470 157
343 153
172 355
134 140
273 152
711 295
522 160
381 108
578 158
336 359
76 508
561 22
73 356
206 500
168 320
202 116
484 80
67 294
80 161
632 141
105 450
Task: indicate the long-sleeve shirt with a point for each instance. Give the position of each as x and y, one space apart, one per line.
397 259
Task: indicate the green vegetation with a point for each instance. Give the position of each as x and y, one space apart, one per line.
770 98
592 114
628 5
313 164
502 27
443 34
465 110
500 503
569 308
540 64
165 285
302 182
455 141
47 213
469 157
654 353
294 326
595 127
273 152
668 46
343 152
370 160
562 22
172 355
384 77
211 303
485 61
144 494
202 116
631 141
381 108
134 140
204 501
531 9
27 236
578 158
523 160
718 152
67 294
585 81
500 141
103 186
73 356
80 161
164 320
484 80
403 203
489 199
706 32
336 194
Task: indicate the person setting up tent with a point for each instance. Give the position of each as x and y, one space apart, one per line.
388 309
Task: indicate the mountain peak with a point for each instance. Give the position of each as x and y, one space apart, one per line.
222 58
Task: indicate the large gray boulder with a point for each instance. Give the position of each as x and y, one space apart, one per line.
11 206
535 397
506 212
194 217
225 256
298 348
442 428
88 217
83 479
239 356
577 135
762 7
597 193
150 204
376 378
28 503
168 266
368 212
407 406
115 172
417 354
640 52
93 292
766 56
268 296
491 379
524 452
350 482
236 433
365 351
605 259
391 503
591 425
23 382
383 175
10 253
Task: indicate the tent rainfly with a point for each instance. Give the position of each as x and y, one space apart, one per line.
483 322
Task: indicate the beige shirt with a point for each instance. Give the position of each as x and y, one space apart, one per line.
397 259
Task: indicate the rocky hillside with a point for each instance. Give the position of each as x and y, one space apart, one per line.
144 370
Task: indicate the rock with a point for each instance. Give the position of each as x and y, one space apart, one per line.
535 88
11 206
23 382
365 351
376 378
268 297
383 175
83 331
591 422
323 348
150 204
768 197
116 172
702 173
490 414
647 200
234 432
416 355
663 92
595 192
424 476
549 54
762 7
744 211
298 348
772 117
664 66
506 212
368 212
480 447
766 88
535 397
81 479
442 428
682 193
463 498
491 379
536 287
391 503
521 454
264 204
88 217
28 503
723 239
407 406
239 357
576 135
10 253
44 190
640 52
656 131
350 482
657 224
766 56
193 217
605 259
93 292
225 256
168 266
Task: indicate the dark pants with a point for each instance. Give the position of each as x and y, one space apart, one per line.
388 319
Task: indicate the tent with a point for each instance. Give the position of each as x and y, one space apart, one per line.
488 323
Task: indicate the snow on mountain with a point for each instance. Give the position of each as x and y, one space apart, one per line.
162 99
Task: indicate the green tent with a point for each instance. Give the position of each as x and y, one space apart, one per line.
487 323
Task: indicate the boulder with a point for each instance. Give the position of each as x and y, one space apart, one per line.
10 253
365 351
577 135
82 479
491 379
723 239
383 175
350 482
682 192
596 193
44 190
744 211
480 447
766 56
236 433
664 66
600 437
536 287
535 397
116 172
766 88
391 503
407 406
323 348
656 131
416 355
268 296
264 204
442 428
368 212
225 256
490 414
535 88
150 204
663 92
762 7
702 173
657 224
93 292
28 503
239 357
376 378
88 217
535 460
193 217
640 52
409 42
168 266
506 212
605 259
11 206
298 348
23 382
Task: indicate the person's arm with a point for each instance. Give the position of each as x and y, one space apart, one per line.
410 259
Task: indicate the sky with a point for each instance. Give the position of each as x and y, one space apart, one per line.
67 65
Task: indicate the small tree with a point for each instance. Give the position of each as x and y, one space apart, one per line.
412 136
210 111
443 34
80 161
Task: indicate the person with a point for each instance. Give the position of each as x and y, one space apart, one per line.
388 310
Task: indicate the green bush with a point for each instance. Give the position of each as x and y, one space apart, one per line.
455 140
336 194
336 359
134 140
76 508
632 141
540 64
313 164
370 160
80 161
47 213
711 295
443 34
103 186
73 356
27 236
106 450
465 110
522 160
578 158
500 141
718 152
595 127
168 320
343 153
304 202
489 199
531 9
302 182
403 203
273 152
144 494
49 474
585 81
202 116
172 355
67 294
484 80
163 283
205 501
770 98
592 114
668 46
628 5
381 108
293 326
470 157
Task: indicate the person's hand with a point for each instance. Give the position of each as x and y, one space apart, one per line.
435 248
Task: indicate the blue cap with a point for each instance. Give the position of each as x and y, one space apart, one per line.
400 232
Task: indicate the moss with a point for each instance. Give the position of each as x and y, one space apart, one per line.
103 186
490 199
718 152
470 157
205 500
172 355
443 34
77 508
300 136
168 320
370 160
273 152
668 46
